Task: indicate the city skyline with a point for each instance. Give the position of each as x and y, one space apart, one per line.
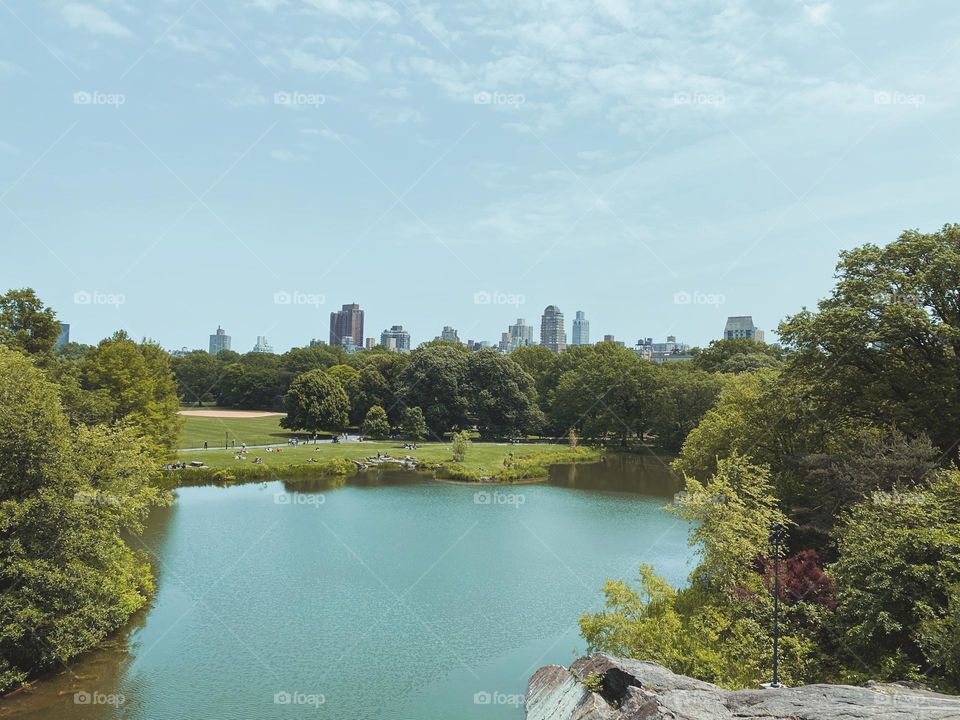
322 151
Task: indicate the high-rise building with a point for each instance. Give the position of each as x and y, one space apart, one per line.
347 323
262 345
669 351
612 339
64 337
449 334
552 335
370 343
741 326
521 334
581 329
219 341
396 338
505 343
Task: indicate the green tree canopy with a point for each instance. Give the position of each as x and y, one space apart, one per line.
67 578
26 323
413 426
375 424
436 382
198 374
316 401
501 396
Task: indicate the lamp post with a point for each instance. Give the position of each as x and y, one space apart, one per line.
777 533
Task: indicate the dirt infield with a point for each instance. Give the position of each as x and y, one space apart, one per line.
229 413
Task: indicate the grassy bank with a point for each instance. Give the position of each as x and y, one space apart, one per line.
485 461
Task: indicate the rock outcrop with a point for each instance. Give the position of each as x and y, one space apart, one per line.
636 690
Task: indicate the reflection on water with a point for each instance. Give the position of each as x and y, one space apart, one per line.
391 595
645 474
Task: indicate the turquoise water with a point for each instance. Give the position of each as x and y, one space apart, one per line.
389 598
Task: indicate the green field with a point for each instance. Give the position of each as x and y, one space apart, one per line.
482 458
252 431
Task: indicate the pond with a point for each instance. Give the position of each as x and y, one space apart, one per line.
391 597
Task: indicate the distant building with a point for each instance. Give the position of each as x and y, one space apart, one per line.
521 334
262 345
449 334
370 343
64 337
396 338
669 351
347 323
182 352
581 329
741 326
505 343
552 335
219 341
612 339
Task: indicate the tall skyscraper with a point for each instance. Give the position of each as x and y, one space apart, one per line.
449 334
741 326
581 329
396 338
347 323
262 345
521 334
219 341
64 337
552 335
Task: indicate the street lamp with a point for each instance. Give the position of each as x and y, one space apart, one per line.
777 534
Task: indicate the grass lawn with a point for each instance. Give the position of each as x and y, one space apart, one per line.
482 457
252 431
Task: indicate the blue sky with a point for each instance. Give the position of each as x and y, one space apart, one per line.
169 166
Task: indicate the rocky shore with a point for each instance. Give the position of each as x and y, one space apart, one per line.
603 687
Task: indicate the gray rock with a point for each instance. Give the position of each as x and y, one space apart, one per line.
637 690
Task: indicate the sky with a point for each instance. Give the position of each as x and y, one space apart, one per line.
170 166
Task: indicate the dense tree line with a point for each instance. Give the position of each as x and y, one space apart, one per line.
851 441
83 433
604 393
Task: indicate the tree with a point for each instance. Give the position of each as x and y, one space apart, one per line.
134 383
607 395
897 574
884 348
736 355
67 498
349 379
245 386
414 427
460 446
26 323
501 396
376 425
197 375
436 382
682 397
316 401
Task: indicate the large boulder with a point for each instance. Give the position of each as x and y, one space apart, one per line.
603 687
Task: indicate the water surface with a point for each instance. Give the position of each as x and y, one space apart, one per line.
391 597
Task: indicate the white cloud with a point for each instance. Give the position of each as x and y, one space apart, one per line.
7 148
325 134
93 20
308 62
357 10
287 156
818 14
